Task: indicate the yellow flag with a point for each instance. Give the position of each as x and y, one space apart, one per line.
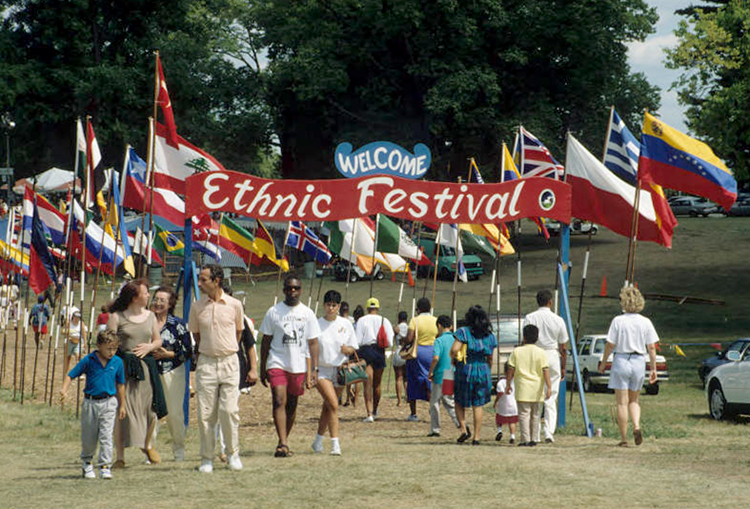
679 351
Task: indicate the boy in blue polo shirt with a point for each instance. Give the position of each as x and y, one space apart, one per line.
441 361
105 378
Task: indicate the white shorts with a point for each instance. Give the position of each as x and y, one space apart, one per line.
628 372
329 373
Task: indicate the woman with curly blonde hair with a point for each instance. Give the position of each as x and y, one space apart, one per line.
630 336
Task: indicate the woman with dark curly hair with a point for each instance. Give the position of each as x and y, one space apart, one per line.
139 337
473 383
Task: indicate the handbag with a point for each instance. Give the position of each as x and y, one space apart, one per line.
350 373
409 352
382 336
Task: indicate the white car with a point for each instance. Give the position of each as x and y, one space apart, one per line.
728 387
591 351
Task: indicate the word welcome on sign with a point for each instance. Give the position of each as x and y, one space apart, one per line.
332 200
382 157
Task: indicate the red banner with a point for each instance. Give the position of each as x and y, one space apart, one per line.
332 200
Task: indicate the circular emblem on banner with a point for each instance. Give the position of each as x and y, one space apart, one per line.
547 199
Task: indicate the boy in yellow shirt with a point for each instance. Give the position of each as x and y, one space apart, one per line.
529 365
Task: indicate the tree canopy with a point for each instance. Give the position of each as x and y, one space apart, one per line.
243 76
458 76
714 51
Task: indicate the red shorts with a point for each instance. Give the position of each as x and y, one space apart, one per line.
43 330
294 382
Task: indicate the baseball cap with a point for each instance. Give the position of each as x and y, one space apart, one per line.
372 302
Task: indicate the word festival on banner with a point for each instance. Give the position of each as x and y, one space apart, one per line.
333 200
382 157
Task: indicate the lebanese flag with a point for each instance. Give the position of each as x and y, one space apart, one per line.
601 197
176 161
137 196
166 105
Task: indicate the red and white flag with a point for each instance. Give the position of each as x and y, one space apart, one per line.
137 196
165 104
600 196
93 161
175 162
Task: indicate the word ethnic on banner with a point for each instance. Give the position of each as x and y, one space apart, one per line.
333 200
382 157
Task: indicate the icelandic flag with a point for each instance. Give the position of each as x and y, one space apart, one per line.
304 239
623 149
41 267
536 159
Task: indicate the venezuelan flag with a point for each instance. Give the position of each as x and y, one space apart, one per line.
677 161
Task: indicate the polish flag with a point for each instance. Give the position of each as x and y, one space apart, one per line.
600 196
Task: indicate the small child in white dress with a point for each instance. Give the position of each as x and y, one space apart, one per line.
506 410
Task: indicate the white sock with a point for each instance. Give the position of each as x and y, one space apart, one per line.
513 436
319 439
335 446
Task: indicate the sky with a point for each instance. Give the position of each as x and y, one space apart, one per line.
648 57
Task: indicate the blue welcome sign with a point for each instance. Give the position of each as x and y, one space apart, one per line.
383 157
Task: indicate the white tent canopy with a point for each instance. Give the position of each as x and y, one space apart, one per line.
50 181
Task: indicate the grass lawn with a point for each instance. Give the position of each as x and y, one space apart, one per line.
687 459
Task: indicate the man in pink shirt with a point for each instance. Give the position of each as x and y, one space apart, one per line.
216 321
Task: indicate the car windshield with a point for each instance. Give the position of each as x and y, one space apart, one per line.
735 347
448 251
507 331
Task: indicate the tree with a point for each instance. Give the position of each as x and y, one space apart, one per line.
458 76
69 58
714 51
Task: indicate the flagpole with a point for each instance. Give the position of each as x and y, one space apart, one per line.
633 234
416 274
16 380
49 342
281 262
99 265
120 217
374 251
4 288
25 310
252 249
315 267
149 160
351 252
437 259
403 277
455 276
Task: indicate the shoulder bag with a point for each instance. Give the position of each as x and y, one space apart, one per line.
352 372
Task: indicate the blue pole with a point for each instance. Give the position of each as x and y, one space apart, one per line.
564 279
565 312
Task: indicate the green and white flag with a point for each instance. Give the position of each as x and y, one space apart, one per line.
392 239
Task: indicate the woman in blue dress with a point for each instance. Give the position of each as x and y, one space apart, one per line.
473 383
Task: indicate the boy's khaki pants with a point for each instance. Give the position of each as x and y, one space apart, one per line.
528 420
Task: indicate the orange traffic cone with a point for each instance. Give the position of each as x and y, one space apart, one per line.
603 291
411 279
393 276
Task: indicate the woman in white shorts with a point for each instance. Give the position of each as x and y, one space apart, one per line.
630 336
335 344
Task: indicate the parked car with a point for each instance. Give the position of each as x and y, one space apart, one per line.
341 268
740 208
728 387
707 365
577 227
506 330
692 206
590 352
446 262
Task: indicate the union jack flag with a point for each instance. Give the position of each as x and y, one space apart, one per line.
304 239
536 160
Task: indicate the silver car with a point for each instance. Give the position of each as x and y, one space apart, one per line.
692 206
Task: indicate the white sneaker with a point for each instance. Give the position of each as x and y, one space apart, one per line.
88 471
179 454
105 473
336 449
317 446
234 462
412 418
369 418
207 466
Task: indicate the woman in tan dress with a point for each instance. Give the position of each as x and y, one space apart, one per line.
139 337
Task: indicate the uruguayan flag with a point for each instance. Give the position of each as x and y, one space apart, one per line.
622 151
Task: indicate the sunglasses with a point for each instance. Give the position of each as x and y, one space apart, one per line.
292 288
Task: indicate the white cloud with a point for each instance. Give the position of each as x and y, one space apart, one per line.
650 53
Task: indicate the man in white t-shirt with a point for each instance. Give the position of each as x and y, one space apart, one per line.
553 335
288 357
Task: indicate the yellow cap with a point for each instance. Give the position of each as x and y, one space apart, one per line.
372 302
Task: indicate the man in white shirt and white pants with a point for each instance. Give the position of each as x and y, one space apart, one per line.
553 335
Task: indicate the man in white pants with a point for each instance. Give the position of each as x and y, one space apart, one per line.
216 321
553 335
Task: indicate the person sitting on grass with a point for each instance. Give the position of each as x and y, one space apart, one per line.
105 378
529 365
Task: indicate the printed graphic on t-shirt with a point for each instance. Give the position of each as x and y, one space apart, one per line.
294 330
